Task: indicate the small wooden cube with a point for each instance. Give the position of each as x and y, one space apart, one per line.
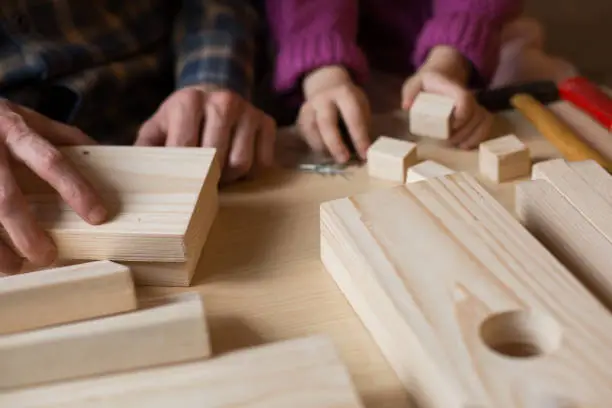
430 116
389 158
503 159
425 170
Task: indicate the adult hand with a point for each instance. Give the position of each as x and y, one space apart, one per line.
243 135
446 73
29 137
329 92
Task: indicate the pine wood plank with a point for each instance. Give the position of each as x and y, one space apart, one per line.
427 169
301 373
467 306
172 331
65 294
162 201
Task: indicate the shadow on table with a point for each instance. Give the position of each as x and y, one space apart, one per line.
228 333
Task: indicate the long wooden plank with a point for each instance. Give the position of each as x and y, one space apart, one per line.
550 217
578 191
467 306
62 295
302 373
160 200
171 332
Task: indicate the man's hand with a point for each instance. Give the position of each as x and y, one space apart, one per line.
329 92
446 73
29 137
198 116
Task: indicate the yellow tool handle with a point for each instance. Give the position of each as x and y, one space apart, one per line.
559 134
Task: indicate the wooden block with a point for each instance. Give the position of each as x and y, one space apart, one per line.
302 373
389 158
170 332
504 158
62 295
551 218
425 170
467 306
430 116
162 199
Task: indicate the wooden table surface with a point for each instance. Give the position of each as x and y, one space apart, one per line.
261 275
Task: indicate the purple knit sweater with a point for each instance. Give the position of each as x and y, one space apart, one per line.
390 35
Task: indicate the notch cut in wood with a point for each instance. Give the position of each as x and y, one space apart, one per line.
65 294
466 305
430 115
157 197
504 158
389 158
425 170
172 331
304 373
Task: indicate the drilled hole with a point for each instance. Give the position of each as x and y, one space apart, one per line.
521 334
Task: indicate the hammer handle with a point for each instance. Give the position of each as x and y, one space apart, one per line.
559 134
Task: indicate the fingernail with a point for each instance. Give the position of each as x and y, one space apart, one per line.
97 215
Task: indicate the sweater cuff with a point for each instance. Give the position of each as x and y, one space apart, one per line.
475 36
299 57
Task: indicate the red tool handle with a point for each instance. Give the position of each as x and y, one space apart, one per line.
588 97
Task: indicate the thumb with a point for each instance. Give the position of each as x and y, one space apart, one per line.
410 90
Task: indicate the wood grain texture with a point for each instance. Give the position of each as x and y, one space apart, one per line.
160 200
172 331
62 295
302 373
550 217
468 307
425 170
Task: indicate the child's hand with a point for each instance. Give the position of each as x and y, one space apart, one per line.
330 91
471 123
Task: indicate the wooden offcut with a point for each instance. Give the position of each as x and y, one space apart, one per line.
389 158
301 373
62 295
503 159
172 331
425 170
430 115
467 306
162 201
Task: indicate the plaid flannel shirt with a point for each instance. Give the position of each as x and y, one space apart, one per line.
106 65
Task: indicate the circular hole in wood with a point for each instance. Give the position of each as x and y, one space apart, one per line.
521 334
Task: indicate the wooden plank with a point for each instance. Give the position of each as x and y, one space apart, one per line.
430 115
301 373
427 169
389 158
467 306
578 191
504 158
551 218
588 128
62 295
156 195
171 332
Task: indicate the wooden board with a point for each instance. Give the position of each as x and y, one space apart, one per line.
467 306
62 295
427 169
172 331
162 202
302 373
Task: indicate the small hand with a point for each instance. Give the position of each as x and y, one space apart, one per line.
329 92
243 135
445 74
29 137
